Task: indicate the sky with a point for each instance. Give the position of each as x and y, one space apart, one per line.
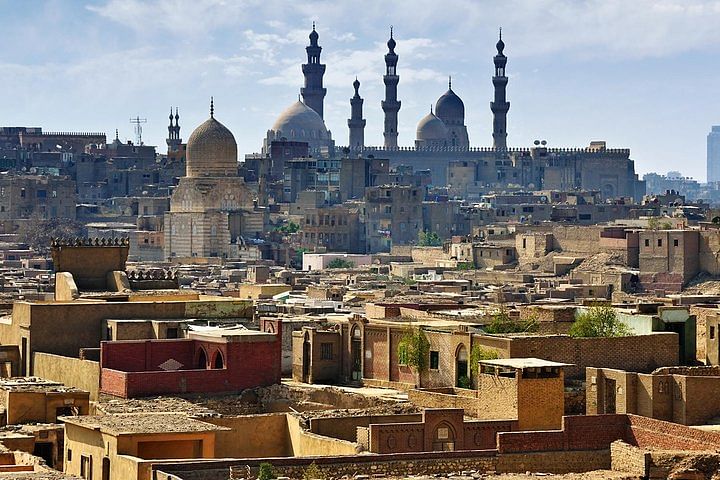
638 74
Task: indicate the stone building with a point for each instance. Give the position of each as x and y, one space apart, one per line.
392 216
210 208
22 196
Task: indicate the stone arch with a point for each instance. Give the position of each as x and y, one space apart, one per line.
462 374
201 360
443 437
218 362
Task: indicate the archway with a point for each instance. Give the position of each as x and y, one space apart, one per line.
444 438
356 353
202 359
218 363
462 376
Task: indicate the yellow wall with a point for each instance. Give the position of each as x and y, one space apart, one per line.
252 436
308 444
541 403
72 372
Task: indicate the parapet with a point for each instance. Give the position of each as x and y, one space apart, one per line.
90 260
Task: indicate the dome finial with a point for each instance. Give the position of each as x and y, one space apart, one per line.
171 115
500 33
449 82
177 115
500 45
431 112
391 43
212 107
313 25
391 31
116 135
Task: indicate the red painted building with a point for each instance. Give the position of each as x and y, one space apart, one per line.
215 360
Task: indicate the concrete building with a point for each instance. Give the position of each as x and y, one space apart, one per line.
713 154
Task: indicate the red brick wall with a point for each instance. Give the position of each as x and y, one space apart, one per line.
647 432
146 355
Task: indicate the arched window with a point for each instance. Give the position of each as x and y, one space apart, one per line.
202 359
218 363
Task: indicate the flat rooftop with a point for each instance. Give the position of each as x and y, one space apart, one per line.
35 384
523 363
142 423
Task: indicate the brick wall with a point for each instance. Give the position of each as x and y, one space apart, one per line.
629 459
657 434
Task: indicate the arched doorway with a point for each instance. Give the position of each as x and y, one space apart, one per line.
356 353
306 358
444 438
202 360
462 376
219 363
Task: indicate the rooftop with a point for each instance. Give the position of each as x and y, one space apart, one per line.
142 423
523 363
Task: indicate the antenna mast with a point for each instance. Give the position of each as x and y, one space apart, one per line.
137 121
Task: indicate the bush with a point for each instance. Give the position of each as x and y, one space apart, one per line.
599 321
463 382
479 353
465 266
266 471
502 323
413 349
429 239
340 263
313 472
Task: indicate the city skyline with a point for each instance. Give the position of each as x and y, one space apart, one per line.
606 70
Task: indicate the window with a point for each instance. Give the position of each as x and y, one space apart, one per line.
86 467
326 351
69 455
712 333
434 360
647 242
676 242
659 242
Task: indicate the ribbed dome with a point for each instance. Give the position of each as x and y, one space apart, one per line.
431 128
211 151
450 108
300 123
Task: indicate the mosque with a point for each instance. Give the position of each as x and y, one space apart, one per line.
442 142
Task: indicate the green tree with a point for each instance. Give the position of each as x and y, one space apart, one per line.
598 321
266 471
478 353
313 472
290 227
413 349
429 239
340 263
502 322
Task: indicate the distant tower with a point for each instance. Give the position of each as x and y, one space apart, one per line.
713 154
313 92
500 105
174 140
391 105
356 122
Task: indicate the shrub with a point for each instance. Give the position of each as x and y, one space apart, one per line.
413 349
313 472
266 471
478 353
599 321
501 322
429 239
340 263
463 381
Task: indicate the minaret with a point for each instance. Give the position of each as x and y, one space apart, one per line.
313 92
173 140
500 105
356 123
391 105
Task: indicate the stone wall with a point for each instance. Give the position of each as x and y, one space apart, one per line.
628 459
72 372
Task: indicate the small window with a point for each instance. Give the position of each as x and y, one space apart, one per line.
647 242
69 455
659 242
712 333
171 333
434 360
676 242
326 351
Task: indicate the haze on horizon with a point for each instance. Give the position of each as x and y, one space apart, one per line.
641 75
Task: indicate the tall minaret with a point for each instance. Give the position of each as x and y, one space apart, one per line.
313 92
356 122
391 105
500 105
174 140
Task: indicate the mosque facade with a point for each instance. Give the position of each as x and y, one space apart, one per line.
210 208
442 140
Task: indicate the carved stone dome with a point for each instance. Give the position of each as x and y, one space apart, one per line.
432 129
300 123
211 151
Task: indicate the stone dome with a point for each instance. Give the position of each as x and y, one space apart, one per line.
450 108
211 151
300 123
431 129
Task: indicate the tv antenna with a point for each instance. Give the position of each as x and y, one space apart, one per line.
137 121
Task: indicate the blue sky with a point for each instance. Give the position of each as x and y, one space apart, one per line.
639 74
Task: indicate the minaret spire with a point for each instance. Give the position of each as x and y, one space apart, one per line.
173 141
212 107
356 123
313 92
391 105
500 106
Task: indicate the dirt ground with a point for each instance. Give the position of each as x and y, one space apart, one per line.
595 475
